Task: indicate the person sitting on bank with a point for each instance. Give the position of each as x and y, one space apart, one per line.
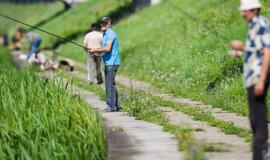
34 39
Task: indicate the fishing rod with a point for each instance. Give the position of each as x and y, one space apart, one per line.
52 34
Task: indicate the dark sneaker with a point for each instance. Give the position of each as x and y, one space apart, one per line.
99 82
109 110
266 155
118 109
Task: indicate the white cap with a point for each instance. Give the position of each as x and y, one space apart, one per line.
249 4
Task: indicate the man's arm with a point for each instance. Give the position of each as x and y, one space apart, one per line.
265 42
237 45
102 50
259 87
266 64
85 44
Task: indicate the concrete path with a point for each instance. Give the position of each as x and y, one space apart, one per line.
218 113
239 121
232 147
133 139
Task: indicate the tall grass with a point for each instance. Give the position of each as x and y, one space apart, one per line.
41 120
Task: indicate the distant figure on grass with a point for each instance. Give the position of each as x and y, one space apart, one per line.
40 59
4 41
111 57
256 72
34 39
17 41
93 39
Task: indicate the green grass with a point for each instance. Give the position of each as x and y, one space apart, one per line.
181 46
41 120
79 19
31 13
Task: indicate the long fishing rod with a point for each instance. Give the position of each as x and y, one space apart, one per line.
52 34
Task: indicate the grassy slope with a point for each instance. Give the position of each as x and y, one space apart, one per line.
79 19
41 120
184 48
31 14
183 55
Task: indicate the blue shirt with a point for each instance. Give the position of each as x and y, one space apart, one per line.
258 38
112 57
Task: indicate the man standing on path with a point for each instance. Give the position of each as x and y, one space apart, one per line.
93 39
111 57
256 72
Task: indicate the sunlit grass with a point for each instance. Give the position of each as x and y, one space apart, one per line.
31 13
41 120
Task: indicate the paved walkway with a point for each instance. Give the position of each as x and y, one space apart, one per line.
131 139
141 140
239 121
232 147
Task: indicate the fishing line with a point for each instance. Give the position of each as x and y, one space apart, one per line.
52 34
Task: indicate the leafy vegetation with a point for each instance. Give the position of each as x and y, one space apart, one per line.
41 120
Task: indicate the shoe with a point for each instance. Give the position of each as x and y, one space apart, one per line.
91 83
109 110
118 109
99 82
266 155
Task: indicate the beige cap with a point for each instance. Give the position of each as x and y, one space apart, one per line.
249 4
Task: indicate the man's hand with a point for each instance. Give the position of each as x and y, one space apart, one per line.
92 50
237 45
235 54
259 89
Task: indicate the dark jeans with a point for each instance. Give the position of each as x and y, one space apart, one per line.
112 100
258 121
34 47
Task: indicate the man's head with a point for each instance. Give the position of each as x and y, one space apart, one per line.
250 9
19 33
94 27
20 30
105 23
